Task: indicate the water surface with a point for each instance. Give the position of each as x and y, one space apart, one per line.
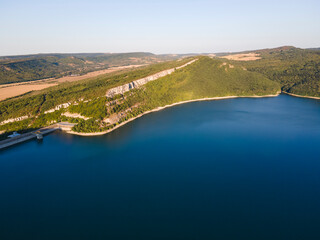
229 169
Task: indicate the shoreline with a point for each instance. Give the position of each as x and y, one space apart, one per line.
300 96
164 107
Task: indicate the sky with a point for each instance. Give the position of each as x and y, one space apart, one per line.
166 26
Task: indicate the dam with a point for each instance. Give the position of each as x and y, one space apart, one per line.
64 126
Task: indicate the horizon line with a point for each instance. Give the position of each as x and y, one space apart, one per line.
186 53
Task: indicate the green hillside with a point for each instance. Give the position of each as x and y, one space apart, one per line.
297 70
203 79
40 101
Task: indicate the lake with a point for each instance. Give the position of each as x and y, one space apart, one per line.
230 169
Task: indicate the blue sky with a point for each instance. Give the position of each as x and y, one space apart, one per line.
156 26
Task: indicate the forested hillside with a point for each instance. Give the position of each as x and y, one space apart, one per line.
297 70
35 104
205 78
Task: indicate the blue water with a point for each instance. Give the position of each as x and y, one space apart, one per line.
229 169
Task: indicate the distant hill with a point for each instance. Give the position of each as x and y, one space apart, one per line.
314 49
283 48
40 66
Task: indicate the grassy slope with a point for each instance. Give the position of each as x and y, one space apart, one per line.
297 70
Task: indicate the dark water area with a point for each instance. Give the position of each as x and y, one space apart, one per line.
229 169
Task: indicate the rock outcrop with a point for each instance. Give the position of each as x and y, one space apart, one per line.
14 120
63 105
75 115
137 83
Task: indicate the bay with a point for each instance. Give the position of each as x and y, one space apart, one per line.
246 168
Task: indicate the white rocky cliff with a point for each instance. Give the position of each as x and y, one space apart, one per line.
137 83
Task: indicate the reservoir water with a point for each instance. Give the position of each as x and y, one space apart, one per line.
230 169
